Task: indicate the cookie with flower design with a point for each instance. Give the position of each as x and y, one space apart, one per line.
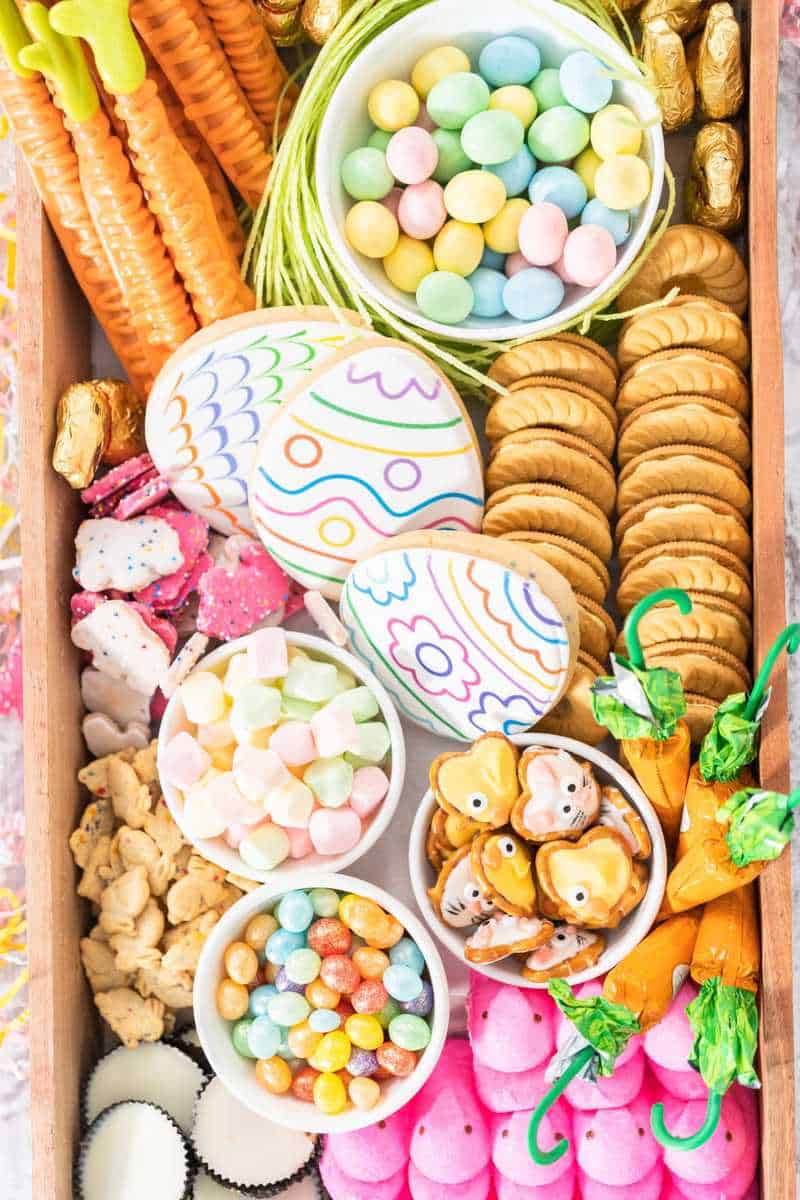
560 796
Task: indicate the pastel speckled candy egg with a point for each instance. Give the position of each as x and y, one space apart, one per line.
211 399
558 134
590 254
585 81
374 444
468 633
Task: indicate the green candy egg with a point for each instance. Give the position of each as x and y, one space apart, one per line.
239 1037
454 99
446 297
546 87
493 137
558 134
409 1032
365 175
452 159
379 139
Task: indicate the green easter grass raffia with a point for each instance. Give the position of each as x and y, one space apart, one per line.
290 258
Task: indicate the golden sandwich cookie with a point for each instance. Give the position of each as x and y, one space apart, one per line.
695 323
717 622
586 343
566 360
682 373
695 573
677 516
584 571
573 716
705 669
698 422
551 509
687 549
597 630
556 407
552 456
695 260
683 468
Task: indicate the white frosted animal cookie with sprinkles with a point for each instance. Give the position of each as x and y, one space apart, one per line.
374 443
125 556
469 634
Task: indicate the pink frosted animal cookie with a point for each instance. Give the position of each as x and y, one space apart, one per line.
615 1146
375 1154
235 599
341 1186
648 1188
122 645
511 1029
717 1159
667 1046
167 594
106 492
510 1153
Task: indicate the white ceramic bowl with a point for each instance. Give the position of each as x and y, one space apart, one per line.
619 941
470 24
217 850
238 1074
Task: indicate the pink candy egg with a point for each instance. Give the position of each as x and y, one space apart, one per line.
370 785
421 211
542 233
516 263
590 255
334 830
562 272
412 155
392 201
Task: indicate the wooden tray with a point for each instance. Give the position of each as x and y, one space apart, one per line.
55 351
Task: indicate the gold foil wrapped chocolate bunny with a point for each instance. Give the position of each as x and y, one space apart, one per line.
663 52
715 189
682 16
719 73
98 421
289 21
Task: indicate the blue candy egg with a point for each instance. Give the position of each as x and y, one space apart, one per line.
487 287
281 943
585 81
260 998
517 172
618 224
401 982
264 1037
422 1004
559 186
406 953
509 59
324 1020
295 912
529 296
493 260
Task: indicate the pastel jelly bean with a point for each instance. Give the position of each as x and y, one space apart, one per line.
452 159
421 211
308 679
240 1036
274 1075
363 1062
256 705
294 743
319 995
409 1032
393 104
339 973
303 1083
508 60
329 936
616 130
517 100
401 982
458 248
475 196
515 174
585 81
409 263
585 166
332 1052
259 929
241 962
557 134
370 963
542 233
264 1037
457 97
183 761
364 1093
412 155
303 1040
371 228
560 186
514 264
395 1059
202 697
334 831
502 232
325 901
232 1000
421 1005
379 139
329 1093
618 224
324 1020
259 999
367 919
445 297
364 1031
407 953
302 966
370 996
288 1008
281 944
265 847
487 290
389 1011
366 175
590 255
435 65
372 737
622 181
493 136
546 89
533 294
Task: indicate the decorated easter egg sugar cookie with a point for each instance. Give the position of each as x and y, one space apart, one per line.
469 634
374 443
207 408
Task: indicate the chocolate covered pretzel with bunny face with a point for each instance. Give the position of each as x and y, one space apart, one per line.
560 796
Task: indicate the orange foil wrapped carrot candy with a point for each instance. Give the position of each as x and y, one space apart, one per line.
143 269
254 59
177 194
728 943
42 139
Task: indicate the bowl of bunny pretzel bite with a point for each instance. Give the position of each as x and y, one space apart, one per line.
536 857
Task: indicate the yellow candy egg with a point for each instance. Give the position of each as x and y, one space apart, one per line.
241 962
332 1053
516 99
616 130
364 1092
622 182
586 165
274 1074
433 66
370 964
259 929
458 248
409 263
371 229
303 1040
502 232
319 995
474 196
364 1031
329 1093
392 105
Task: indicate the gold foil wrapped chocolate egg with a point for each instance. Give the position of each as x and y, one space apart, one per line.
97 421
715 189
682 16
663 52
320 18
282 20
719 73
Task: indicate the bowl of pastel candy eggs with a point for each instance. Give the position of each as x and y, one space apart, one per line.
323 1007
490 170
280 752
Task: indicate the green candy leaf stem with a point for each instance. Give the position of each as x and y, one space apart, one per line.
106 26
61 60
760 824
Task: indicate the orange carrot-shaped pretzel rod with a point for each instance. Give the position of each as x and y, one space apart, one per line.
175 189
182 40
40 136
127 228
254 58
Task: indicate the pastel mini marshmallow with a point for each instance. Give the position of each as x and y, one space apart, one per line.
222 757
257 706
259 772
334 730
102 694
300 844
259 738
231 803
370 785
235 833
202 697
334 830
122 645
215 734
237 674
125 556
183 761
267 654
264 848
200 818
292 804
294 742
308 679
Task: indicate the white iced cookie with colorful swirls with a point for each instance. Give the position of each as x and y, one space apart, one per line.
374 443
469 634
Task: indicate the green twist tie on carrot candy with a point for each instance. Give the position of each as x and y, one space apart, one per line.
13 37
106 26
61 60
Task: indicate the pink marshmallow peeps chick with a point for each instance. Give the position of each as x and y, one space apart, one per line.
615 1146
714 1163
667 1046
511 1029
509 1091
375 1154
648 1188
560 796
511 1156
737 1184
341 1186
450 1139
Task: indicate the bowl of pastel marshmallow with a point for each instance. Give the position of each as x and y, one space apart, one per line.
281 752
490 170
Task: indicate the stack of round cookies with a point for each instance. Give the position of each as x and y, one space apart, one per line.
684 498
551 484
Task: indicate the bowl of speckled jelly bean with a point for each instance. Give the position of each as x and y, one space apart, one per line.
324 1007
490 170
281 752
